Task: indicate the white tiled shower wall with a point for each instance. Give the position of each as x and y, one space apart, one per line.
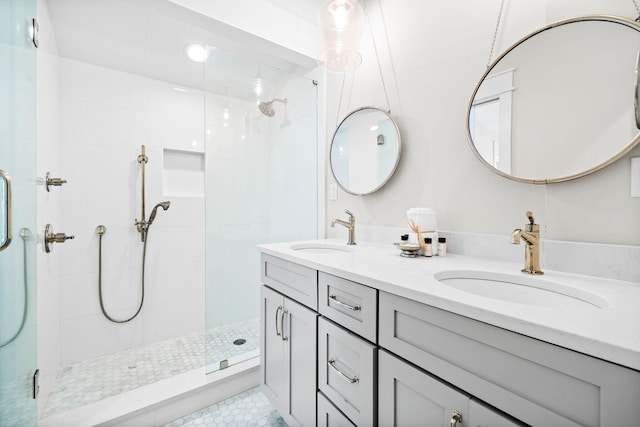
105 117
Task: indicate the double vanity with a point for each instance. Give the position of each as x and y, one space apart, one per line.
357 335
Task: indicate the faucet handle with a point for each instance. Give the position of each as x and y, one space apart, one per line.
348 212
529 215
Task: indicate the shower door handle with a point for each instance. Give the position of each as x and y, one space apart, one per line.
6 182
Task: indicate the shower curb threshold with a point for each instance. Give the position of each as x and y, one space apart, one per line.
163 401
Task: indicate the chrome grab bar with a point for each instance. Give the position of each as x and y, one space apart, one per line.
7 209
345 305
332 363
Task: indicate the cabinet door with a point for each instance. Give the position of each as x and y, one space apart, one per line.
410 397
300 338
273 381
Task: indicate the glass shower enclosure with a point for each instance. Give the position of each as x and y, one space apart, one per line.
261 186
17 213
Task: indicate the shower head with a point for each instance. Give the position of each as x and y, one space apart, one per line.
163 205
266 107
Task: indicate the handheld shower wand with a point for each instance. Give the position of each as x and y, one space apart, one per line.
163 205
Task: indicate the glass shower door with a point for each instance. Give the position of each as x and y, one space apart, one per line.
261 187
17 213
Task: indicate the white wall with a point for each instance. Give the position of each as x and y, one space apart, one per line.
432 55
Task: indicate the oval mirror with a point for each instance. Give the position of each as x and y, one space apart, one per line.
365 151
560 103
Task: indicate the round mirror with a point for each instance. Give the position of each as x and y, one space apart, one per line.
365 151
560 103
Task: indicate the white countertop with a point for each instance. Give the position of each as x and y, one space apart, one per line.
611 333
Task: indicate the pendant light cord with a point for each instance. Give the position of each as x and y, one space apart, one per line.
344 77
495 33
375 49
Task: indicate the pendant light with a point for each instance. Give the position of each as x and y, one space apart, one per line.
340 25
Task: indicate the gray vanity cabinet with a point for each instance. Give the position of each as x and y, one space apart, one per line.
371 358
288 348
538 383
409 396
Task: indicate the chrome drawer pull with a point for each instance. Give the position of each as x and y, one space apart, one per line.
455 418
332 364
277 331
347 306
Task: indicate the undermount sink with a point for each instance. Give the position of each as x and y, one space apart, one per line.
521 289
321 248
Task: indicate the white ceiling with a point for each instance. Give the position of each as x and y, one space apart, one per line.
147 37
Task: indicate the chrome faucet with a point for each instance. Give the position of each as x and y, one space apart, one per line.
351 226
531 237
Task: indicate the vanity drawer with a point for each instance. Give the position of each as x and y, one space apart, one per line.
346 372
533 381
298 282
349 304
329 415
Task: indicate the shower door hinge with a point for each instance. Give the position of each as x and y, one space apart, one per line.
36 383
224 364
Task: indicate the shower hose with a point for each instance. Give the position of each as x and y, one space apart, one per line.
24 233
144 255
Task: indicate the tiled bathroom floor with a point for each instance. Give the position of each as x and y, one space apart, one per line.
249 408
95 379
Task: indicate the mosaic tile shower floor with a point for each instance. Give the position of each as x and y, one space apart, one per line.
95 379
249 408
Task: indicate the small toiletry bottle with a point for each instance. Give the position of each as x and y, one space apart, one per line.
404 239
442 246
428 241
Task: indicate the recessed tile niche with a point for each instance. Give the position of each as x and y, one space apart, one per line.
182 173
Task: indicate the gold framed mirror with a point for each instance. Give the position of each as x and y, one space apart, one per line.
560 103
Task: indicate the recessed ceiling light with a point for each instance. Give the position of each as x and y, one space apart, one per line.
196 52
